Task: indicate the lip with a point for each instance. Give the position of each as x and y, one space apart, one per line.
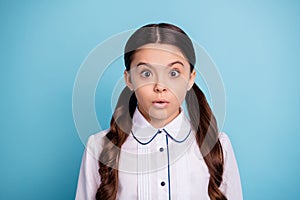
160 103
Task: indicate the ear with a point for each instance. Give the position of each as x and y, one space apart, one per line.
128 80
192 79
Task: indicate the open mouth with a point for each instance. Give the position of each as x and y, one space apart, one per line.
160 103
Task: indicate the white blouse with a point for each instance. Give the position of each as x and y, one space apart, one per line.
163 164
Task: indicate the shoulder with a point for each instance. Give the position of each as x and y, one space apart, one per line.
97 138
224 139
94 144
226 144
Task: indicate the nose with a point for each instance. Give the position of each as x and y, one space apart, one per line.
159 88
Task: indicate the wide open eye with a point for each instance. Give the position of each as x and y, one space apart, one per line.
174 73
146 73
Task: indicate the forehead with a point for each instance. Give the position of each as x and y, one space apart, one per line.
158 54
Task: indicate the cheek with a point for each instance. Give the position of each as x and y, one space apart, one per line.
143 93
179 90
179 95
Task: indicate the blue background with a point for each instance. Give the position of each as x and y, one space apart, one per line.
255 45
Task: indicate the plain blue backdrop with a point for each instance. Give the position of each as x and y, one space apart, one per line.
255 45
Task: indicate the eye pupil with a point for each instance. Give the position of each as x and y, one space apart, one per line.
146 74
174 73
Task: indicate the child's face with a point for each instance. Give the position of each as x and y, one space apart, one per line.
160 76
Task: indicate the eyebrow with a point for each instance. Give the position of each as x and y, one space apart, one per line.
169 65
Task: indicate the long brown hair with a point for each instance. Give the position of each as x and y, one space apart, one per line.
203 122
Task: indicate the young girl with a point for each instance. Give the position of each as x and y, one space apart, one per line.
153 150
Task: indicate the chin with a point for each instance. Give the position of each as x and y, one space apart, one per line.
161 114
158 116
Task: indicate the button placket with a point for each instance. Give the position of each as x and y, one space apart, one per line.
162 161
161 143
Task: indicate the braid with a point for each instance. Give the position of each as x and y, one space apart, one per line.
120 126
205 125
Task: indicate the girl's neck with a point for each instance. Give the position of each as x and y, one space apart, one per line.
159 123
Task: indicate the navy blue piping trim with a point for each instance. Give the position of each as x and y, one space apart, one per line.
159 131
178 141
145 143
169 182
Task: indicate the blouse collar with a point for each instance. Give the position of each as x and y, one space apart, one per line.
178 129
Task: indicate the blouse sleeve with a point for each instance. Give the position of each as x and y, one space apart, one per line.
231 184
89 179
